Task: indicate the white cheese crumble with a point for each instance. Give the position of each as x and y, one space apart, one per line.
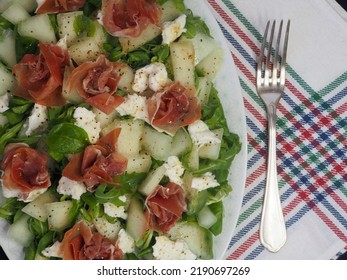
135 106
166 249
201 134
86 120
204 182
153 76
125 242
174 170
52 251
173 29
116 211
4 102
71 187
8 193
37 120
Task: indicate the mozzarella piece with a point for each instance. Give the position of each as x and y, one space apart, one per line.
173 29
174 170
135 106
153 76
70 187
125 242
8 193
86 120
204 182
52 251
37 120
201 134
4 102
166 249
116 211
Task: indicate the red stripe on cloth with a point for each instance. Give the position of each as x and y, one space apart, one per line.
244 246
234 26
341 109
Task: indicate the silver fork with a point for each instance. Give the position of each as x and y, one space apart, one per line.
270 87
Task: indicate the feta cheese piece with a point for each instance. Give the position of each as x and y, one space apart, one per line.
125 242
174 170
8 193
116 211
204 182
52 251
135 106
153 76
70 187
166 249
4 102
173 29
201 134
37 120
86 119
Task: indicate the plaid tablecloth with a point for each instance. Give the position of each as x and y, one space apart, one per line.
311 126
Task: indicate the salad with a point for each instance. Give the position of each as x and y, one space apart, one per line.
113 139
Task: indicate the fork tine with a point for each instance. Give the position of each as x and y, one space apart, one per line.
275 62
268 56
284 56
261 54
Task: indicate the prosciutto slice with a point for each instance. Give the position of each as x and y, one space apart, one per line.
40 77
98 163
128 18
60 6
96 82
174 107
165 206
81 243
24 169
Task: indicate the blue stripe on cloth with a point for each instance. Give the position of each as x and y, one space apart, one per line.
238 47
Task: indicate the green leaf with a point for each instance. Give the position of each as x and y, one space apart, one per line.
5 24
8 135
91 207
10 208
66 138
37 227
46 240
217 209
25 45
109 193
194 25
130 181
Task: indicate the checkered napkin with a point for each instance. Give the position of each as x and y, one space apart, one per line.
311 126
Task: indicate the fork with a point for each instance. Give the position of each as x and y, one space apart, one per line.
270 86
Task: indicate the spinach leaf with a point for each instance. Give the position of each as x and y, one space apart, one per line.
9 134
66 138
10 208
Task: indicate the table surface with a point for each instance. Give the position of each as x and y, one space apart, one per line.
343 4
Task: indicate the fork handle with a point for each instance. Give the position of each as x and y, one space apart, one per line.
272 226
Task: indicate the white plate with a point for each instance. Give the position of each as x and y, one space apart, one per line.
228 85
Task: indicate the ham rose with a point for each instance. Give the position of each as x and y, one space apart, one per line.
24 170
165 206
174 107
40 77
128 18
98 163
60 6
81 243
96 82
